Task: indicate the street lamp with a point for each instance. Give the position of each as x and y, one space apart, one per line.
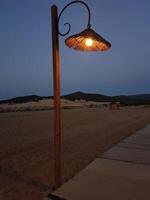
87 40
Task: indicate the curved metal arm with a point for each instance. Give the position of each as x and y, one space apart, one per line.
69 26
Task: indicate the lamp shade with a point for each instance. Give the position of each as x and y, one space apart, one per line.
87 40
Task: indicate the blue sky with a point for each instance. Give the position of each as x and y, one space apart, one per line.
26 56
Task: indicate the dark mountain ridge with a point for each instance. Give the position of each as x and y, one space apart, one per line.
123 99
24 99
87 96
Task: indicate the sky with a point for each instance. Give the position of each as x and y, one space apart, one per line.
26 48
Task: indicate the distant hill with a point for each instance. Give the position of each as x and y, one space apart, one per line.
88 97
24 99
138 99
141 96
123 99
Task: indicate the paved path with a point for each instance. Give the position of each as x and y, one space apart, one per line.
122 173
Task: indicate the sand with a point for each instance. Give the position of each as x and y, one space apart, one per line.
26 159
47 104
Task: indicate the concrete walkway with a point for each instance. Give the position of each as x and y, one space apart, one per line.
122 173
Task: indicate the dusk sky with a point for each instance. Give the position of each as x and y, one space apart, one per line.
26 56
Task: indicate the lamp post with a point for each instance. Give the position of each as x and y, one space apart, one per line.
87 40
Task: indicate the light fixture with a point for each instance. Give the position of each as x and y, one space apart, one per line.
87 40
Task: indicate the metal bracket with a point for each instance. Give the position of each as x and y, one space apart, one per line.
69 26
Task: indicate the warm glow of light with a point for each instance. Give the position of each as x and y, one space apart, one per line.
88 42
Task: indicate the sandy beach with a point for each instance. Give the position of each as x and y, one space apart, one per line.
26 158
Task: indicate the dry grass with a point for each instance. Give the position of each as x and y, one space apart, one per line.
26 161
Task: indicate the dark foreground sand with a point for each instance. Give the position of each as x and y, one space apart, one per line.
26 167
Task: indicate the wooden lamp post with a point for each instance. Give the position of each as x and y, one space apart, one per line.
87 40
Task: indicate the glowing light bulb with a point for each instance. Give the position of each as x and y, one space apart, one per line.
88 42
